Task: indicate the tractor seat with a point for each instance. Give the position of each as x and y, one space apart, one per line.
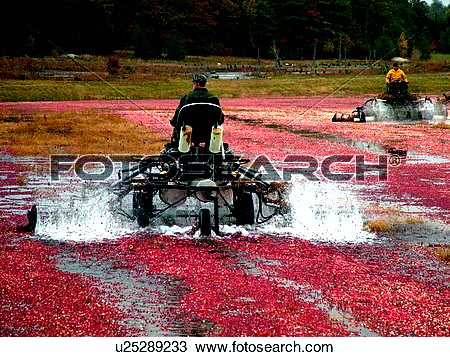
201 117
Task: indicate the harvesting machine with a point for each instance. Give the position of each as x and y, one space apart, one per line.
396 104
198 179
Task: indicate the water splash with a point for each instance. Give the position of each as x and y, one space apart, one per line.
320 211
83 214
323 211
422 109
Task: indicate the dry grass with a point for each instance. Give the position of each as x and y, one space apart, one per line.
443 253
379 226
75 133
59 78
159 87
441 126
390 222
414 220
22 180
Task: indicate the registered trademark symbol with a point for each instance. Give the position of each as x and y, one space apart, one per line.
395 160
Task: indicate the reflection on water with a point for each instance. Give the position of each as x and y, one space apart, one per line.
230 75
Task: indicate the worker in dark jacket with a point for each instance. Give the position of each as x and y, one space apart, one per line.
199 94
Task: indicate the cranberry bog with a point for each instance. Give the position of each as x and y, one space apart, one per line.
358 256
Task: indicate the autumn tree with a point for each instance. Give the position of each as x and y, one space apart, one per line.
402 46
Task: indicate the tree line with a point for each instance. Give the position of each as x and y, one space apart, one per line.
295 29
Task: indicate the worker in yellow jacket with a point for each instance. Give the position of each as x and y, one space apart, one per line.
396 81
396 75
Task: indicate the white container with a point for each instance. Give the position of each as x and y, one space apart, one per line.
184 144
215 143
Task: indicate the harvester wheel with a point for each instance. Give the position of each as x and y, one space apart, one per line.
142 207
205 222
142 218
244 211
362 117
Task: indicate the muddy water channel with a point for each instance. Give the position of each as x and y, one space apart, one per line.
145 300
